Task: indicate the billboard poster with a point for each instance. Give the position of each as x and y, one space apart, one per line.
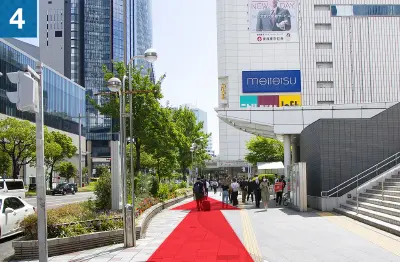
273 21
272 81
289 100
270 101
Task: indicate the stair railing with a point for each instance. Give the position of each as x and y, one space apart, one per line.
373 171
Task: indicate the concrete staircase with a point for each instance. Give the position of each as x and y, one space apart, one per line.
376 210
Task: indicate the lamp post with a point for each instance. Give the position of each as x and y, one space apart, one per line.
114 85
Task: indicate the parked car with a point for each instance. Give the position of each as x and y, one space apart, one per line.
12 211
74 186
63 189
13 187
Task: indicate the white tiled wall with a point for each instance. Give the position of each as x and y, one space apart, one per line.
364 57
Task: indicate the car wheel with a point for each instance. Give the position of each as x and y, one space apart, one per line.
73 192
53 194
64 193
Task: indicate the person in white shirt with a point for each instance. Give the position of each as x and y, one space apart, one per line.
235 192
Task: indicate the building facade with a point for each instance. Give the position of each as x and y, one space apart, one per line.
79 37
63 100
312 53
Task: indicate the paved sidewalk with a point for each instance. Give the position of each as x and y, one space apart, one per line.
159 229
277 234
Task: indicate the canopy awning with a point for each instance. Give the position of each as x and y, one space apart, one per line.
271 165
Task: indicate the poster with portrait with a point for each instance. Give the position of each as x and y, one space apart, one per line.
273 21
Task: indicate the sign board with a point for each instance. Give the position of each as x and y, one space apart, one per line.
273 81
18 18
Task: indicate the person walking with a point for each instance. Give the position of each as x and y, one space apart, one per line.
279 187
235 192
198 193
243 187
257 191
264 188
250 190
225 193
276 180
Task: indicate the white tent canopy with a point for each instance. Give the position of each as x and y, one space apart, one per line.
269 166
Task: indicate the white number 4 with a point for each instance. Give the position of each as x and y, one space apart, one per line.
16 19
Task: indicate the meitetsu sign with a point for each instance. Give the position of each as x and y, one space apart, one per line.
271 81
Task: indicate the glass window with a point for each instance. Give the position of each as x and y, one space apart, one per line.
1 185
12 202
365 10
14 185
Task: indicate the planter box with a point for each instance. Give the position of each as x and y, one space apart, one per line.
60 246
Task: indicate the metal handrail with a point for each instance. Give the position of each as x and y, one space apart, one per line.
356 179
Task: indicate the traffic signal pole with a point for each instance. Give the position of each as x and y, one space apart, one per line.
40 175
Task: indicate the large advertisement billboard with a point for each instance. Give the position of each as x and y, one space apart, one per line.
272 81
273 21
270 101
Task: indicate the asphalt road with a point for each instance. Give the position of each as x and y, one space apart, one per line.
6 249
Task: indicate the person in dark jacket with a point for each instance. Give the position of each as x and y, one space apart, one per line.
250 190
198 193
257 191
243 188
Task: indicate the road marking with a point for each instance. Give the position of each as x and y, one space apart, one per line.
250 240
380 238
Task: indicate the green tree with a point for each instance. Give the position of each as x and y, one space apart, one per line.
58 147
18 141
66 170
262 149
5 164
188 132
145 105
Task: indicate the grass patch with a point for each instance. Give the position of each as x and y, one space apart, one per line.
88 188
30 194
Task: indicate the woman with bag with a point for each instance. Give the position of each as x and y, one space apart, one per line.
264 187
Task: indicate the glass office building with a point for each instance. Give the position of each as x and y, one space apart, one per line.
63 100
104 43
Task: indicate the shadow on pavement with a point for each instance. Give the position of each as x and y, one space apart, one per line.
92 256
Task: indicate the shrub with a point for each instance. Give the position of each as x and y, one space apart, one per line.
163 191
182 184
173 187
154 186
102 191
182 191
146 203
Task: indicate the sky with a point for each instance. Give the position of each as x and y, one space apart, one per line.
185 37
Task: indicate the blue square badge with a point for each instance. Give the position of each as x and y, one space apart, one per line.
18 18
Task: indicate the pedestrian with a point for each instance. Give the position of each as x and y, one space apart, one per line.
264 187
215 186
276 180
235 192
225 193
206 185
250 190
257 191
279 187
243 187
198 193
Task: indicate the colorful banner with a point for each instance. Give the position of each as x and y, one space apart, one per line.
271 81
289 100
270 101
273 21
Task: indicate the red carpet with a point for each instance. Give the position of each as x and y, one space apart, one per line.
202 236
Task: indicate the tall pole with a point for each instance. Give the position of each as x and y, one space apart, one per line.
125 31
131 152
123 156
80 151
40 176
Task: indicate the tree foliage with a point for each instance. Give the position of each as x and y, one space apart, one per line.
5 164
18 141
262 149
189 132
66 170
58 147
145 106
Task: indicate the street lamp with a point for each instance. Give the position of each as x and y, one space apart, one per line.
193 149
114 85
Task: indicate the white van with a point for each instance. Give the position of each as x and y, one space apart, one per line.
14 187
